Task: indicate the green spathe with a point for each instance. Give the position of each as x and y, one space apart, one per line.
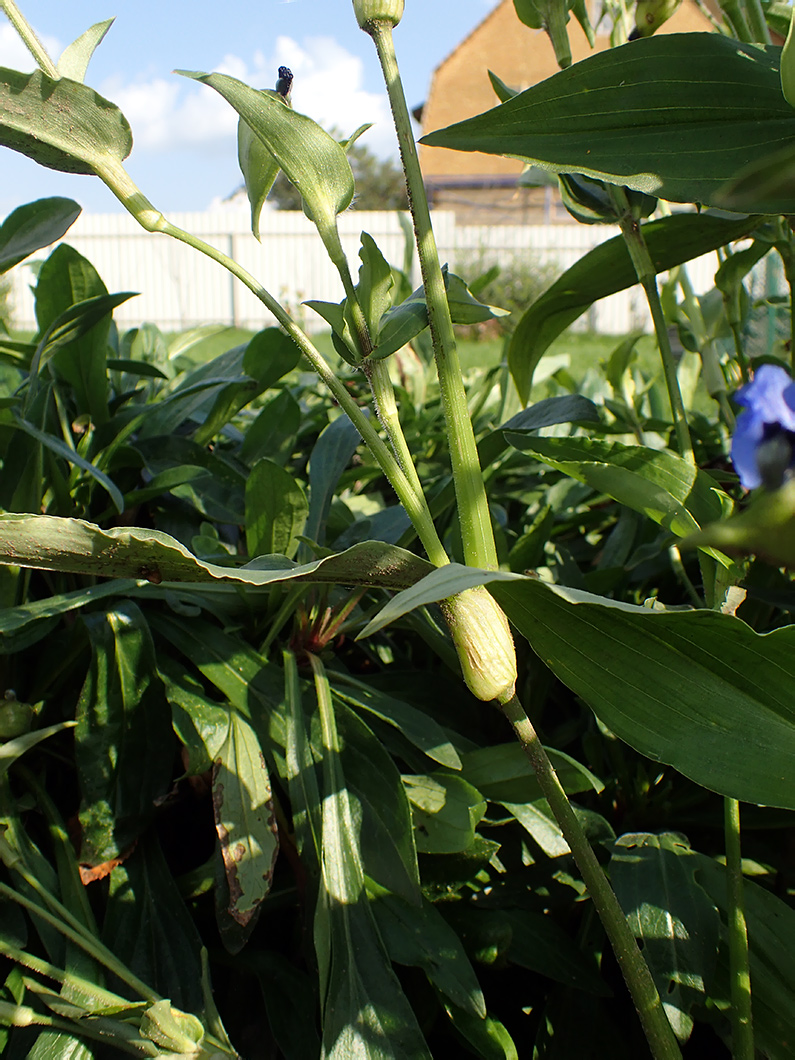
369 11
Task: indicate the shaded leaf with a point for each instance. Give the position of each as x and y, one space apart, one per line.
33 226
123 747
422 938
149 928
276 510
672 917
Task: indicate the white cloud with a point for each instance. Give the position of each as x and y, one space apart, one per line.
15 55
329 86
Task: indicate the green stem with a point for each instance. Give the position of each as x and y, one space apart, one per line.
659 1035
29 38
735 16
331 240
757 21
473 509
647 277
740 972
114 175
377 372
73 930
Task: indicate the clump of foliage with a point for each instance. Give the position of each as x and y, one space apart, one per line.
275 781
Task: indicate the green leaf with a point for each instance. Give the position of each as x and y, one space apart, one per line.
123 743
375 284
488 1037
422 938
252 685
771 939
681 687
76 57
766 527
11 750
201 724
655 482
58 1045
55 445
446 811
672 917
417 726
386 835
244 819
502 773
50 543
34 226
329 458
268 356
569 408
149 928
770 177
607 269
276 510
258 166
365 1012
697 690
673 115
312 160
61 124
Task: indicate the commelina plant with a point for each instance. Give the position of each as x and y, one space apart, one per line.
281 728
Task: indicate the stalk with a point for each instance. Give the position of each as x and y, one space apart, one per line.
757 21
647 277
661 1038
117 179
739 966
473 509
377 372
29 38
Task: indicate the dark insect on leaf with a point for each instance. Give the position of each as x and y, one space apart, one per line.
285 82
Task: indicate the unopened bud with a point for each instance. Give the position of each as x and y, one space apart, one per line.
369 11
483 640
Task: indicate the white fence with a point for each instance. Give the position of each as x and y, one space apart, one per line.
180 288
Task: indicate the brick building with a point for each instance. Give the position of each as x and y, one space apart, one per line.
482 188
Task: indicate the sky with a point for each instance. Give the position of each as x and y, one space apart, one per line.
184 155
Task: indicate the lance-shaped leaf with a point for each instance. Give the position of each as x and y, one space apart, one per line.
698 690
659 484
607 269
258 166
50 543
244 819
60 124
672 915
122 740
76 57
33 226
674 116
313 161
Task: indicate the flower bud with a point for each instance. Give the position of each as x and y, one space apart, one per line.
483 640
368 11
172 1029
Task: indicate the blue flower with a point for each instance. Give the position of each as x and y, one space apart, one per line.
763 447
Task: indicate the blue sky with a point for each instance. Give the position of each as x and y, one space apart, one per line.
184 156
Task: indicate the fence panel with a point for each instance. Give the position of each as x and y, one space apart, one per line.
179 288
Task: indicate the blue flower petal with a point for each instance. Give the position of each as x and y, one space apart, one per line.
769 401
